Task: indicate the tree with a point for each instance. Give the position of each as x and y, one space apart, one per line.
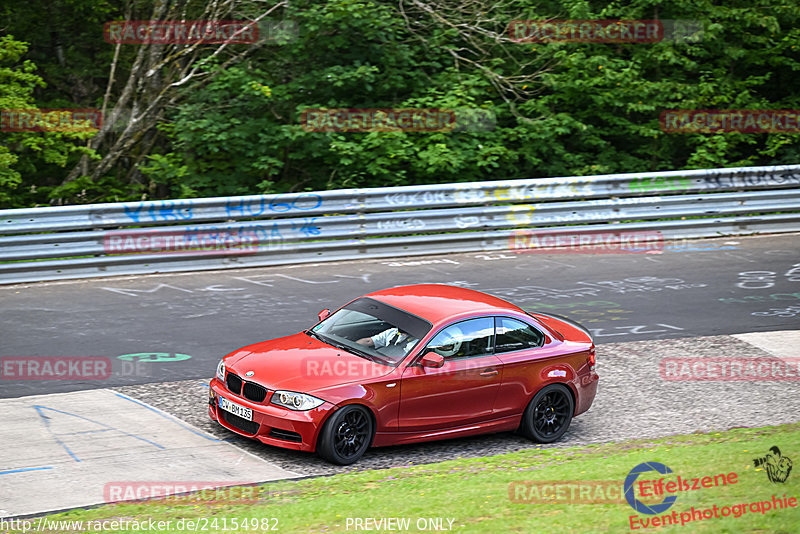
26 152
155 79
222 119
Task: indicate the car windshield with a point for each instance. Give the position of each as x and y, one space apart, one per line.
373 330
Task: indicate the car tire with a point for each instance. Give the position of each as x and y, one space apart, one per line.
346 435
548 415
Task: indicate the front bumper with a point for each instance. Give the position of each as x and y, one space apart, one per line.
271 424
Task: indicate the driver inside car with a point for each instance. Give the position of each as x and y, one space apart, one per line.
391 337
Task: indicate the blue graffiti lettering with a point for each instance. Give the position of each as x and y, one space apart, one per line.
278 204
308 227
133 214
164 210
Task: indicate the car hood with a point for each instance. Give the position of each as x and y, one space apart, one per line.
301 363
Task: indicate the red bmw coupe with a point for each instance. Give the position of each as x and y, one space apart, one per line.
408 364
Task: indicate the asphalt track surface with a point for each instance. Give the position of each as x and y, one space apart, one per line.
690 289
687 300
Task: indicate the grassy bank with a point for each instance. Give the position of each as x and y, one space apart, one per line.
474 493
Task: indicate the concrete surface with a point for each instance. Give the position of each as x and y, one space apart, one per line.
62 450
783 344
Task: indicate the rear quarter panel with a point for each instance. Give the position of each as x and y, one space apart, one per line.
525 372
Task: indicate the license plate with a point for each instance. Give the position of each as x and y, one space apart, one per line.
236 409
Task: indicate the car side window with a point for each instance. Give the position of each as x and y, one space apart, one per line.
466 339
515 335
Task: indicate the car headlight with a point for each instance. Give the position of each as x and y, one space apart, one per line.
221 370
295 401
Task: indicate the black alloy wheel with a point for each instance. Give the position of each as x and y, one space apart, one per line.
548 415
346 435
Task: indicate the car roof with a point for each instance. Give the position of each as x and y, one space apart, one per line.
438 302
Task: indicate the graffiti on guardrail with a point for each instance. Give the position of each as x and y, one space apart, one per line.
411 223
525 214
466 221
236 207
469 194
723 180
305 224
271 234
421 197
247 207
659 183
162 210
713 180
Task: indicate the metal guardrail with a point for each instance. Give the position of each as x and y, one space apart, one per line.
90 240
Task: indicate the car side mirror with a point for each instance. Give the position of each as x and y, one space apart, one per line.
324 314
432 360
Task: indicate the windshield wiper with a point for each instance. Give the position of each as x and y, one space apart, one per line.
342 346
363 353
311 333
348 348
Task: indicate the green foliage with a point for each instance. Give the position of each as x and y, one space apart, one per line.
560 108
24 155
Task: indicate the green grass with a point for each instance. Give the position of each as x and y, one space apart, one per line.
475 491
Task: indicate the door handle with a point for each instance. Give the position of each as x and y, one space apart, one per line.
489 372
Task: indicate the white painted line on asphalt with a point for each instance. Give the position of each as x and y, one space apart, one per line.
781 343
61 450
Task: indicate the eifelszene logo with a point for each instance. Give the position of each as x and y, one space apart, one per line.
630 496
777 466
